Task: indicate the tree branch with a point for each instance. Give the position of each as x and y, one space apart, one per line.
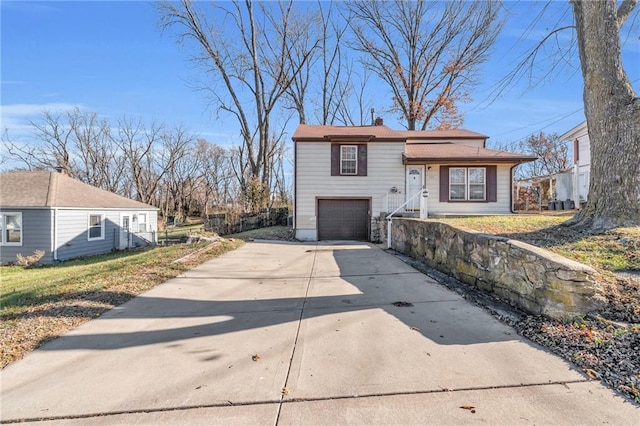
625 10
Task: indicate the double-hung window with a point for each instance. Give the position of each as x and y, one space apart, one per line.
142 222
467 184
96 227
348 160
11 229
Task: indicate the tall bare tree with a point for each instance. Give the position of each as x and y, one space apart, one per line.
611 105
250 59
612 109
428 53
77 141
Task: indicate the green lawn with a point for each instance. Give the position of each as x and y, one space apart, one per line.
39 304
137 269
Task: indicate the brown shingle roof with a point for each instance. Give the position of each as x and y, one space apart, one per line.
50 189
306 132
310 132
441 152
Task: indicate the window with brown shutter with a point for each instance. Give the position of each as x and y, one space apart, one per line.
348 159
468 184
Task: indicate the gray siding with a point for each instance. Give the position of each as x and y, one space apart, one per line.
36 235
73 228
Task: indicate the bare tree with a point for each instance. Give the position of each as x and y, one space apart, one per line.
356 111
552 153
216 176
138 144
612 109
252 61
427 53
77 141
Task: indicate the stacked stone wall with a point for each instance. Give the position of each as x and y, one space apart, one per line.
531 278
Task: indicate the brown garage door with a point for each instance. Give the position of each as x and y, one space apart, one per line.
343 220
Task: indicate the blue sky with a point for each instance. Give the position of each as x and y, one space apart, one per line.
113 59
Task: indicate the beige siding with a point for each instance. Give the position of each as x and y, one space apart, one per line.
502 206
314 180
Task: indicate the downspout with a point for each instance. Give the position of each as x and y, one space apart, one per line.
55 234
512 201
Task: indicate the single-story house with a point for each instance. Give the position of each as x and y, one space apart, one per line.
66 218
347 178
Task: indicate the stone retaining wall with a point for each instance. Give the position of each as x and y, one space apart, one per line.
531 278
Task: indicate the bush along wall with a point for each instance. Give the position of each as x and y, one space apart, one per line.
529 277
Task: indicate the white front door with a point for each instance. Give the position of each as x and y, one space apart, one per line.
414 184
125 227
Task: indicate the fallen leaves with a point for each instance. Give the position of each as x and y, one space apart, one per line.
605 350
255 357
471 408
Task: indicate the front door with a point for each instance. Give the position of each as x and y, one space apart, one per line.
125 227
414 184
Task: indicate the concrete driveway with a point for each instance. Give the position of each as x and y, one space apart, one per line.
277 333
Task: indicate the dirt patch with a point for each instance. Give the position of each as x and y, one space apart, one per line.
278 233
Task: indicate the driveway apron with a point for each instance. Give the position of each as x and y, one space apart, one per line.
287 333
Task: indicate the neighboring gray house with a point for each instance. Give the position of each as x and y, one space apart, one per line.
66 218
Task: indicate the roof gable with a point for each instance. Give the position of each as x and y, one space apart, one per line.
51 189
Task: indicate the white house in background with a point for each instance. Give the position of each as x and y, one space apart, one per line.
578 186
347 178
66 218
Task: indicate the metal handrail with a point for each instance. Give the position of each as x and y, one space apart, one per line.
396 211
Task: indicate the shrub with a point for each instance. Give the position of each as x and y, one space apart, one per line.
29 261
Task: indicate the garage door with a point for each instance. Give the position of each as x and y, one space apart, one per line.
343 220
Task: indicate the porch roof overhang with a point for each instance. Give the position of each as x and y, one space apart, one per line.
443 153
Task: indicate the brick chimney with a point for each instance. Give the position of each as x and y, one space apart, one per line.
379 121
61 170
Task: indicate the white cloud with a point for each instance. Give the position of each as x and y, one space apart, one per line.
15 118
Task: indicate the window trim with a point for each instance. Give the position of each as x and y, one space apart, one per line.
467 185
3 226
102 227
342 159
464 184
146 221
484 184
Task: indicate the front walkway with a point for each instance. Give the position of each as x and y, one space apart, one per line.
277 333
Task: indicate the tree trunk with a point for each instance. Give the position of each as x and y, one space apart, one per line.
613 117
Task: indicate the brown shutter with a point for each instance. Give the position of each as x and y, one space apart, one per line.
576 151
335 159
362 160
444 184
492 184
